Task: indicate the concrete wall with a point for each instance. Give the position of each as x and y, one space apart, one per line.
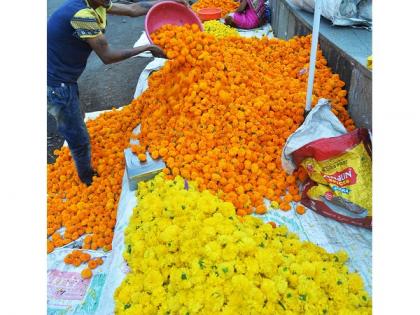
358 78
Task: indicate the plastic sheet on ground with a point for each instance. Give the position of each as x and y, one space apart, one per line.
117 267
143 40
259 32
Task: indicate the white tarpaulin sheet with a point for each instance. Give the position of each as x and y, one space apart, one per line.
260 32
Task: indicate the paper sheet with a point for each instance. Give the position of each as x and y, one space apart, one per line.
67 292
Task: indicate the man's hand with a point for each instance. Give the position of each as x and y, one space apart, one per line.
157 51
131 10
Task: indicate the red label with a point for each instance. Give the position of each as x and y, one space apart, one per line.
329 195
344 178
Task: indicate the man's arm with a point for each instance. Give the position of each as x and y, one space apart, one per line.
101 47
136 9
131 10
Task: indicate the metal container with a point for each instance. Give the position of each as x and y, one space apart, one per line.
138 171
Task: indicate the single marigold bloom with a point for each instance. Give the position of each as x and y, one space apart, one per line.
76 262
86 273
300 209
261 209
92 264
84 257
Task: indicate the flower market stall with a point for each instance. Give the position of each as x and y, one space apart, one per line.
221 229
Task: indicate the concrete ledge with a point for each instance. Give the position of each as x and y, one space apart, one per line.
345 49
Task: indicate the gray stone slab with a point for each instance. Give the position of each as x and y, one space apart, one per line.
283 21
360 99
356 42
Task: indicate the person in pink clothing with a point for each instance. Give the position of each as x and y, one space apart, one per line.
250 14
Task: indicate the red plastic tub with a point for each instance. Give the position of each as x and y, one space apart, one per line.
169 12
207 14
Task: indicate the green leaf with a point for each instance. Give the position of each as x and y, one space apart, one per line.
128 305
289 295
184 276
281 304
129 248
302 297
339 282
225 270
201 263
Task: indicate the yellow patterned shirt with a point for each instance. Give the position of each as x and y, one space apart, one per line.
89 22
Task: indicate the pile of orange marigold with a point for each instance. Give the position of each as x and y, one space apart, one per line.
219 113
227 6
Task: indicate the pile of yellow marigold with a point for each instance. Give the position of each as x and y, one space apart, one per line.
219 30
227 6
189 253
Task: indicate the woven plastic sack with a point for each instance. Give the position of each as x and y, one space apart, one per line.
339 166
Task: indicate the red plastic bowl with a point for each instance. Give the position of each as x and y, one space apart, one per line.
207 14
169 12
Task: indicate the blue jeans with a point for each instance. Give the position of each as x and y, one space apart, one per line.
63 104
